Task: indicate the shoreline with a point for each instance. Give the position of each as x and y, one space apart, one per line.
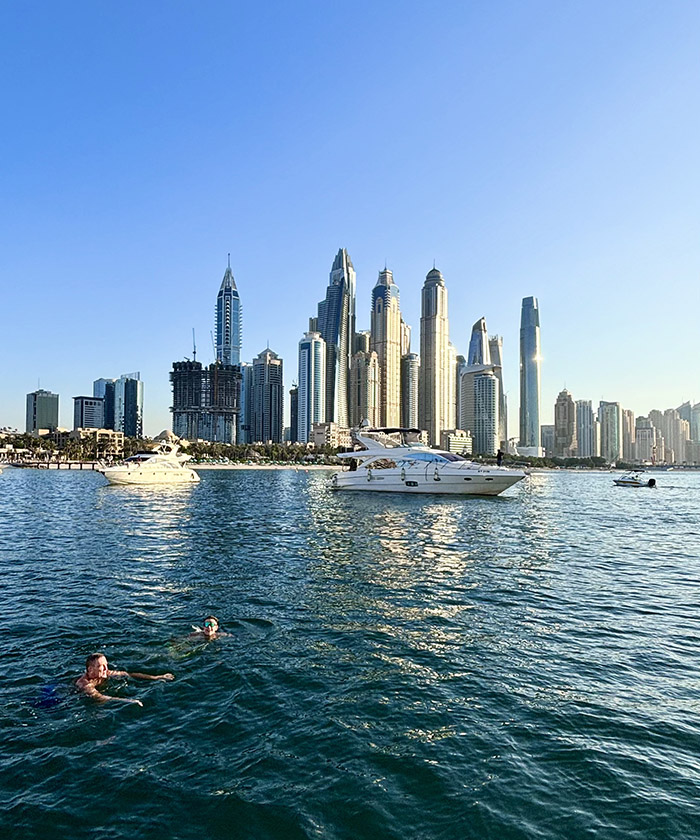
298 467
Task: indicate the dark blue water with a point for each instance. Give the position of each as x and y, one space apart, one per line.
397 667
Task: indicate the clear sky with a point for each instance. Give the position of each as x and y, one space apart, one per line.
529 148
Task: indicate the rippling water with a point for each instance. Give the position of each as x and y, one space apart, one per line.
398 667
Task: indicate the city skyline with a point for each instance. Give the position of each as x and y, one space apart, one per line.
537 150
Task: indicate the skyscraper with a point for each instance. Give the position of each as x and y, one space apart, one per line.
42 411
486 440
228 321
268 398
104 389
496 353
365 389
294 414
610 417
585 433
433 386
410 375
312 385
385 341
206 401
479 346
245 416
530 358
128 405
628 435
336 323
565 425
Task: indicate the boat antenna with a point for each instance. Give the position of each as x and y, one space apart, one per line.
194 347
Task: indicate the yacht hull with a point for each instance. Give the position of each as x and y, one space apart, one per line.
451 485
121 476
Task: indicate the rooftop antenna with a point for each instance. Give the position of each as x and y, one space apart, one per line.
194 347
229 260
213 345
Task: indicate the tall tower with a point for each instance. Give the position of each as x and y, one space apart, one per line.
530 358
410 375
311 405
585 435
268 398
228 321
479 347
386 338
433 386
565 437
496 353
610 417
336 323
128 405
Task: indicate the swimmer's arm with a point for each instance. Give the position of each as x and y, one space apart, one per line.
137 676
91 691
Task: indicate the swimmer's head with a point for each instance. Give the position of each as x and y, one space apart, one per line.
96 666
211 625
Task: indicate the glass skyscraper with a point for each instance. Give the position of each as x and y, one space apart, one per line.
228 321
311 396
530 359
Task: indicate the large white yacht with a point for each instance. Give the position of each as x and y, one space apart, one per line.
161 466
394 460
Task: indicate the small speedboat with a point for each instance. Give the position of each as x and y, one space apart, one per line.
161 466
635 478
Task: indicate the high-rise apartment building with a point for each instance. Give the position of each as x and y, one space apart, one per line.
88 413
128 405
479 346
312 385
547 439
610 417
564 426
294 414
386 339
434 384
245 416
104 389
365 389
229 321
629 452
205 401
268 398
42 411
486 438
336 323
695 423
410 374
585 432
530 358
496 353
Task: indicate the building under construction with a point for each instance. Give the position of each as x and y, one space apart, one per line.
205 401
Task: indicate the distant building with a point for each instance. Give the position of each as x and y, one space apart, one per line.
496 353
88 413
530 359
205 401
365 389
436 377
245 415
695 423
311 404
229 321
457 441
128 405
331 434
410 373
336 323
385 332
565 425
42 411
547 439
105 442
610 417
585 433
104 389
268 397
486 426
629 452
293 429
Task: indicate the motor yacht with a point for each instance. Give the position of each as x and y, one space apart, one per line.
635 478
163 465
395 461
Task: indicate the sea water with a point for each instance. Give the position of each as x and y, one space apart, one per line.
526 666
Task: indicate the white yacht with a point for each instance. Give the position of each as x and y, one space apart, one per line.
161 466
394 460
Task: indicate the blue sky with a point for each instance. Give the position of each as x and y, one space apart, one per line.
529 148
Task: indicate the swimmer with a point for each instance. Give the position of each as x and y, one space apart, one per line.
96 672
209 631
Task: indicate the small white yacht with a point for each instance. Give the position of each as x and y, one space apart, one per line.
635 478
395 461
161 466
